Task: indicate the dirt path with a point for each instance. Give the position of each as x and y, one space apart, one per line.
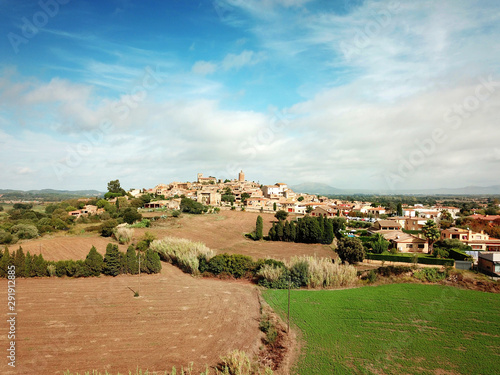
96 323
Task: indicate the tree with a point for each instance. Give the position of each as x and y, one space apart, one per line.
192 207
115 188
339 224
300 199
39 266
112 260
431 232
19 262
108 227
328 234
152 263
399 209
274 206
94 262
351 250
244 197
130 215
309 209
228 198
379 245
259 226
132 261
281 215
4 262
28 265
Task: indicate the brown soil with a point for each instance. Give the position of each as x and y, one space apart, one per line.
96 323
64 247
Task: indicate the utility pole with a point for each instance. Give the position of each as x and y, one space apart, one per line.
138 290
289 287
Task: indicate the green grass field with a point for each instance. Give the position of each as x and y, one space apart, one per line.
395 329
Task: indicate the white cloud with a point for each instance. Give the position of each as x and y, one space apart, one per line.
204 67
231 61
245 58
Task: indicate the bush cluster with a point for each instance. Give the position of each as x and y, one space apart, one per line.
307 271
231 264
183 253
430 274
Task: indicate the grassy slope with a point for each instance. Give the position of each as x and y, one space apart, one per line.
393 329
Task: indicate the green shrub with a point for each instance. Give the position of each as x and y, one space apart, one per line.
430 274
192 207
6 237
393 270
25 231
439 252
299 273
234 264
372 276
107 228
273 276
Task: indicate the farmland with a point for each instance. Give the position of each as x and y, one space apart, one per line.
393 329
96 323
224 232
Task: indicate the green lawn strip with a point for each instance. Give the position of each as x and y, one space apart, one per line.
395 328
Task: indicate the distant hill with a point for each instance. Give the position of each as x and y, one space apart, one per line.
316 188
468 190
47 194
324 189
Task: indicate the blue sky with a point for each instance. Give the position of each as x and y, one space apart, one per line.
356 94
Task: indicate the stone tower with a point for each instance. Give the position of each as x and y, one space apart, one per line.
241 177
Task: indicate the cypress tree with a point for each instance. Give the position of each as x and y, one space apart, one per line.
4 262
286 232
28 265
132 263
272 233
328 232
19 262
293 232
39 266
153 263
112 260
259 226
94 262
279 231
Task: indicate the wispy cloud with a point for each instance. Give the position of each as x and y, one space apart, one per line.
231 61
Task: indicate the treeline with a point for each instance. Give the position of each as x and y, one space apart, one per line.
307 230
113 263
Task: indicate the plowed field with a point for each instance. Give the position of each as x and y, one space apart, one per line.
96 323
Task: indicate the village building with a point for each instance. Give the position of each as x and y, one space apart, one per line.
386 225
478 241
489 263
405 242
